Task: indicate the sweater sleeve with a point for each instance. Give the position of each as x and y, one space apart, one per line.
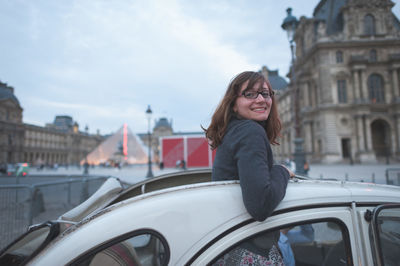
262 187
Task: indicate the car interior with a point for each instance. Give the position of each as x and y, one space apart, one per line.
321 243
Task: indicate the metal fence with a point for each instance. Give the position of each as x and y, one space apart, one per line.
36 201
393 176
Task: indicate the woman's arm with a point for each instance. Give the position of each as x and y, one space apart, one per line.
262 187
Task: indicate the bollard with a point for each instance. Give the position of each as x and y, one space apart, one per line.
373 178
346 177
387 176
321 176
37 202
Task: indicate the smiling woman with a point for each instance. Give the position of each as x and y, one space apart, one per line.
242 128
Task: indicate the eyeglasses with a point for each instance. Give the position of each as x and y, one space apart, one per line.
254 94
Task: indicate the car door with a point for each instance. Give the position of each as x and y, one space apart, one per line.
384 231
314 236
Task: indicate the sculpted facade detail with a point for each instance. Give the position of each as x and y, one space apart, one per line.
348 75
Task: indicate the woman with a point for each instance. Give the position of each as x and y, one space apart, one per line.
242 128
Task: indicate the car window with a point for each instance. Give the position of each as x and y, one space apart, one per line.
141 249
387 223
320 243
29 244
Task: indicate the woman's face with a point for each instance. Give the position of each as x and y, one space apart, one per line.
255 109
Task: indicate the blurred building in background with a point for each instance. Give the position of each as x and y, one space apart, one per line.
11 127
60 142
347 74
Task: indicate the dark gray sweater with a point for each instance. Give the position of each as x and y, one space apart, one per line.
245 154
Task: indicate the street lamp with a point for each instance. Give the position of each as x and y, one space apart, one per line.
148 115
290 25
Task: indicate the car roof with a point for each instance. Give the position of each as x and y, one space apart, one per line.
305 192
301 191
202 211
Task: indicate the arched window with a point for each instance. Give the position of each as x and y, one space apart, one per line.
373 56
369 25
375 89
339 57
342 91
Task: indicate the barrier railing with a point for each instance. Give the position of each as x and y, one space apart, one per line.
393 176
22 205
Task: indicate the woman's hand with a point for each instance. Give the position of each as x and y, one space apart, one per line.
291 174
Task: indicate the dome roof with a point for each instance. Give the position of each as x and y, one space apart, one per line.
163 122
277 82
7 92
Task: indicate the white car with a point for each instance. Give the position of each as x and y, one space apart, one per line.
183 219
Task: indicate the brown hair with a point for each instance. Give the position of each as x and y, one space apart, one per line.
224 112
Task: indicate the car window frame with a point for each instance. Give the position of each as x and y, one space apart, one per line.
54 231
340 223
376 243
349 239
94 250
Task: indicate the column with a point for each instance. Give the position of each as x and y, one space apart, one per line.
302 95
368 137
364 89
355 86
306 102
356 133
397 119
307 139
361 145
360 85
395 82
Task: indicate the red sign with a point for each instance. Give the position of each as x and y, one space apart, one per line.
193 149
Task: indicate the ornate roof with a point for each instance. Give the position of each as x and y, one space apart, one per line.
330 12
7 92
277 82
163 122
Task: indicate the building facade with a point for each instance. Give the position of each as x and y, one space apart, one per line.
346 77
49 146
11 127
59 142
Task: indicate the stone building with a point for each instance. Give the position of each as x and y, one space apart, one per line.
59 142
57 145
346 78
11 127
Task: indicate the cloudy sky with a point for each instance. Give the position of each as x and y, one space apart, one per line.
103 61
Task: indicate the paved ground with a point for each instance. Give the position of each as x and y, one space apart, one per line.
356 172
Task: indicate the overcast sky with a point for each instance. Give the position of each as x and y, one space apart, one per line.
103 61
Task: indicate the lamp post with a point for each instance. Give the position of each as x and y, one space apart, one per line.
290 25
148 114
